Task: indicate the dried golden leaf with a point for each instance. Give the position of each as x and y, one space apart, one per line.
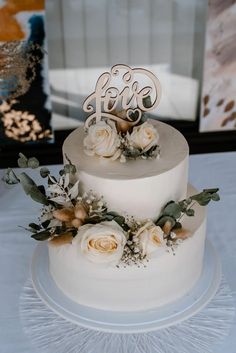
182 233
229 118
206 112
206 99
62 239
64 214
229 106
220 102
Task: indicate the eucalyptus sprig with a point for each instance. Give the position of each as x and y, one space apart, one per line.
60 194
173 211
37 193
68 192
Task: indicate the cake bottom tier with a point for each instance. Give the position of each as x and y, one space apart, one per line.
160 281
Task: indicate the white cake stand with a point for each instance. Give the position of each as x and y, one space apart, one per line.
123 322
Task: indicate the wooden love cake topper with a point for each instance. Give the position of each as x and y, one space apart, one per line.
129 97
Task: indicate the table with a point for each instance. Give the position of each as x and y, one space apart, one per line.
16 247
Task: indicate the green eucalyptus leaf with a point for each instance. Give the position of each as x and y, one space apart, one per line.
74 231
215 197
42 189
34 226
202 199
168 203
45 224
10 177
31 189
177 225
22 163
188 201
172 209
59 230
26 182
33 163
190 212
44 172
37 196
183 205
119 220
41 236
70 168
21 155
211 191
132 153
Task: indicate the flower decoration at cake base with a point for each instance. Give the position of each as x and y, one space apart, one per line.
102 242
151 239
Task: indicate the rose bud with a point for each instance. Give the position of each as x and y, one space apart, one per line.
76 222
80 212
64 215
62 239
167 227
123 126
182 233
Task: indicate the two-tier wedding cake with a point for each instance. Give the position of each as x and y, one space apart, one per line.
125 231
94 269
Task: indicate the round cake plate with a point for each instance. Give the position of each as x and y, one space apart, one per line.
126 322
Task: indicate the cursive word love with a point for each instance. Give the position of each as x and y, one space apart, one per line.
107 98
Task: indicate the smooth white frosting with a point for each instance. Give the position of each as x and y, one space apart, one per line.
165 278
138 187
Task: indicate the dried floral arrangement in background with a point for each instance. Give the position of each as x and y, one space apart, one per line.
23 74
17 67
218 97
226 108
21 125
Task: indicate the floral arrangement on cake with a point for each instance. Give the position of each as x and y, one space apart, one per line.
118 140
103 236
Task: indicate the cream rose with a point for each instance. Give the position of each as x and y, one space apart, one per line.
150 238
102 140
101 243
144 136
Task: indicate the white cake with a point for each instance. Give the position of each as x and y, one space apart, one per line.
138 188
141 187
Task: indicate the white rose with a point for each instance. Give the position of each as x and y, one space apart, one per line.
150 238
144 136
102 140
101 243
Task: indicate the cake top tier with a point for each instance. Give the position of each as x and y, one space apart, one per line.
173 146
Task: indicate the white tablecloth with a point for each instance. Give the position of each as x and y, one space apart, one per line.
16 246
